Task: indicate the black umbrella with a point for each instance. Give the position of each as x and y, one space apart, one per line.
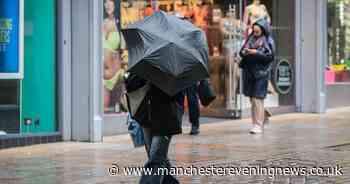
169 52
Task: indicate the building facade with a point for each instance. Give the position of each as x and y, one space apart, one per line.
73 57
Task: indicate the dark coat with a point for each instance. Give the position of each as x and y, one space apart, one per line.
161 113
257 67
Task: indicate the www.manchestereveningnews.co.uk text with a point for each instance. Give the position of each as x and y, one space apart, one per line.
227 171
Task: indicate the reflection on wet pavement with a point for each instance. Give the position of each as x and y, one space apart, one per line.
293 140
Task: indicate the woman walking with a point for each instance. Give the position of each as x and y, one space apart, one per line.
257 55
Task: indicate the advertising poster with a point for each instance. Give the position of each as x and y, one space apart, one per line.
114 58
118 14
9 36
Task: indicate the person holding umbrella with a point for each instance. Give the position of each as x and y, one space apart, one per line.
166 56
257 55
160 117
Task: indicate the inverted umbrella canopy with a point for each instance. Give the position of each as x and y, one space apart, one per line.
169 52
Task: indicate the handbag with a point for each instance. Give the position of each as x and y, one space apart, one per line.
206 92
135 99
135 132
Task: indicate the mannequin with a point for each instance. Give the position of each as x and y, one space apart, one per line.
230 29
253 12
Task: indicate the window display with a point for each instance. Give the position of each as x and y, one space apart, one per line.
253 12
338 67
132 11
226 26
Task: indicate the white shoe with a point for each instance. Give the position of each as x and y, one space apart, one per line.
256 130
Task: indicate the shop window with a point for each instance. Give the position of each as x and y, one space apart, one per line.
215 18
338 66
225 34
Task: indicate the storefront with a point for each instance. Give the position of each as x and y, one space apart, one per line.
67 81
302 78
337 69
91 86
28 69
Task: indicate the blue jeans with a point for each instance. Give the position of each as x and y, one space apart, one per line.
157 151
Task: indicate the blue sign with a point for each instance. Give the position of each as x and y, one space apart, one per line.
9 36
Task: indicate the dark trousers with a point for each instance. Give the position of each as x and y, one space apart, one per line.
157 151
193 105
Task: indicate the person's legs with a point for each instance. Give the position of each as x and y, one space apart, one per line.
147 134
193 108
159 149
260 112
159 152
257 115
253 110
158 158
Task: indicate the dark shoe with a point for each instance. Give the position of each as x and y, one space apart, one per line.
169 179
194 130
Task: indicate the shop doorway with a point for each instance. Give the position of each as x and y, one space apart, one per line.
224 77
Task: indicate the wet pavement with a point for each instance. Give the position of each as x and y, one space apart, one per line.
290 141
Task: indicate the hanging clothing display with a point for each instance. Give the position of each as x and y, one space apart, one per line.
254 12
